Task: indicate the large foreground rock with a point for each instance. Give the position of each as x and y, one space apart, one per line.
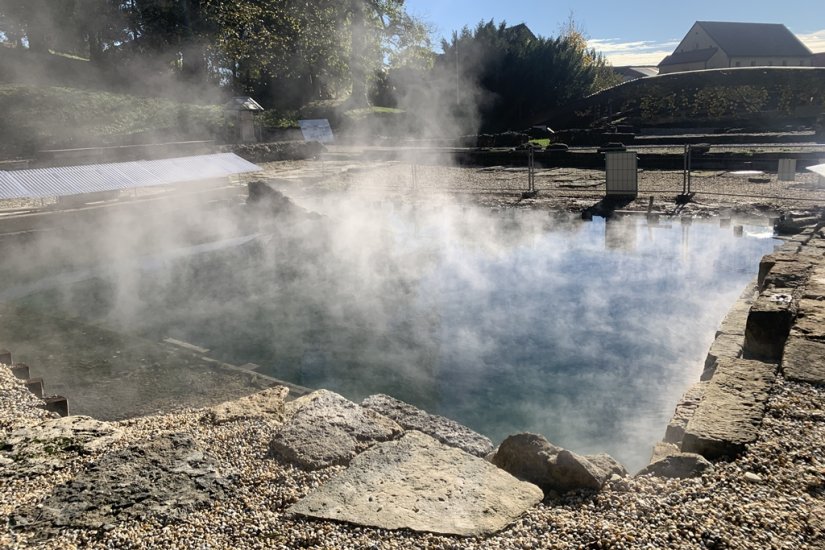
532 458
421 484
166 477
325 429
804 360
443 429
731 410
267 404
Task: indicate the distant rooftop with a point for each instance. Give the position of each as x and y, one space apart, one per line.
693 56
755 39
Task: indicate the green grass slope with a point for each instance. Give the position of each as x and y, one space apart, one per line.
34 118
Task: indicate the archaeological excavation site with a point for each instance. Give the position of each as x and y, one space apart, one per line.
277 275
371 345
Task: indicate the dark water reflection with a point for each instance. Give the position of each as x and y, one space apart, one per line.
586 332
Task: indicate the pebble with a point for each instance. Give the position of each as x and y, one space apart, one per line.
752 477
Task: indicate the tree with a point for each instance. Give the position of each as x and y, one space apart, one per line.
29 22
510 75
380 30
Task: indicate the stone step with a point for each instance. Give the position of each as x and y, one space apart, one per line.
730 412
769 323
685 409
56 404
804 360
35 385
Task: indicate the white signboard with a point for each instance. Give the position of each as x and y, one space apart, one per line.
317 130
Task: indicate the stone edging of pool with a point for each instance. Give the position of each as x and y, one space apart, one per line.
775 328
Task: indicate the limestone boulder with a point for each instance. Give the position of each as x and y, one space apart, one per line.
419 483
678 465
267 404
607 465
663 449
325 429
804 360
770 260
532 458
443 429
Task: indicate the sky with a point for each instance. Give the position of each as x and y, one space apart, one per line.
632 32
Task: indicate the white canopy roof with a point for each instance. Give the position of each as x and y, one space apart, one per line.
819 169
76 180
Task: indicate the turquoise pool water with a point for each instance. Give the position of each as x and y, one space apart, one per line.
507 321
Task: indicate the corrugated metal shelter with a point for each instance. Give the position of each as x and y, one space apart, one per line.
95 178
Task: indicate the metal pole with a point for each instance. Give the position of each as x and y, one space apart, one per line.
689 166
685 172
531 170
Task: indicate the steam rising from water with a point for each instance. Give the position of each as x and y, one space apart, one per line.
506 321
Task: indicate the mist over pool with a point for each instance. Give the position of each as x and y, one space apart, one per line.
507 321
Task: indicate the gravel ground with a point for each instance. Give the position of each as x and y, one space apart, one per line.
771 497
567 188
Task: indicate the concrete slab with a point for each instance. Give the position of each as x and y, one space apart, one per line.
731 411
804 360
421 484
